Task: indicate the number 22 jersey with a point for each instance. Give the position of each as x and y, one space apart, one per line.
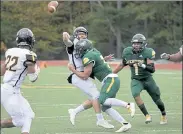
16 70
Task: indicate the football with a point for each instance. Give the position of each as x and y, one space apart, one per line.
52 6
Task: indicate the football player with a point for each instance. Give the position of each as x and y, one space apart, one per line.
177 57
87 86
95 64
20 62
140 60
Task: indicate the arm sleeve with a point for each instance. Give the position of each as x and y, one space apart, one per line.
31 58
68 43
124 61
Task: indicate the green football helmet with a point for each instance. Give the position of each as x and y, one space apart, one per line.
82 47
138 42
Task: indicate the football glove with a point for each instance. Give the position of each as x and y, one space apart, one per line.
165 56
141 65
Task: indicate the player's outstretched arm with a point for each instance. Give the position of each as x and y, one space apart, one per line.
83 75
3 69
172 57
118 68
109 57
66 39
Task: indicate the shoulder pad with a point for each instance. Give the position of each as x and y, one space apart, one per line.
126 51
150 53
31 57
7 51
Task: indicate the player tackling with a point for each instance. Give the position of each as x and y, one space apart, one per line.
94 63
20 62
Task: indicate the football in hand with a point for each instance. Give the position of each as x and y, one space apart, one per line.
52 6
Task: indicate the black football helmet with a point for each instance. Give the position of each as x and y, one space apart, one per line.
138 42
82 47
25 37
80 29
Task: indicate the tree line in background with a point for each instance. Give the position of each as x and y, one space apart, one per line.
111 24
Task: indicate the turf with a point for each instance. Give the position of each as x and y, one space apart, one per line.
51 97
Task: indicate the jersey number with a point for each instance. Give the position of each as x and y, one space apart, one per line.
11 62
136 69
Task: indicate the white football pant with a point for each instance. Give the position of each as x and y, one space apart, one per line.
87 86
17 107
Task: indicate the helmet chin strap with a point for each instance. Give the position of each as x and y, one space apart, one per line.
24 45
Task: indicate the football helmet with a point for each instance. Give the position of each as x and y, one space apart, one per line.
80 29
25 37
138 42
82 47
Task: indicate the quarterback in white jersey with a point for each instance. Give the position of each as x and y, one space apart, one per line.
87 86
20 62
177 57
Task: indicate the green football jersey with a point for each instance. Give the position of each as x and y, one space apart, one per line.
100 68
132 59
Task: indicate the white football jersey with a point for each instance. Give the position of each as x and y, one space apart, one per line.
72 59
15 69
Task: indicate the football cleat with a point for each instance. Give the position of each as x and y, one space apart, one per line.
131 109
105 124
72 116
163 120
124 128
148 119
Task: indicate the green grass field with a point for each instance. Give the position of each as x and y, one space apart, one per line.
51 97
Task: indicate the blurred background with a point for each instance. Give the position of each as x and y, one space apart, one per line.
111 25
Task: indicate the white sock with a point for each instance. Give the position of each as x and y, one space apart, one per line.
115 115
99 116
79 109
115 102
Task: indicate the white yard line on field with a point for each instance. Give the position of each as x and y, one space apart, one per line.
53 117
49 105
168 73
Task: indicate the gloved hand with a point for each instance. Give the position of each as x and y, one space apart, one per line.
165 56
140 64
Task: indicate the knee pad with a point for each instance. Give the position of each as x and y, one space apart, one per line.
104 108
